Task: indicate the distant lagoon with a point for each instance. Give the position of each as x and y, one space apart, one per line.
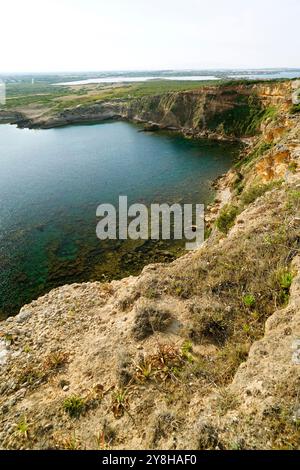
139 79
219 75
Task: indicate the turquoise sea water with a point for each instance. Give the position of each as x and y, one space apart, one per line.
51 182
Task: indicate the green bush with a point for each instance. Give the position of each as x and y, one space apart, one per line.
238 183
226 218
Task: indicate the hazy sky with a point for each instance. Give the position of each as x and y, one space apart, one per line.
71 35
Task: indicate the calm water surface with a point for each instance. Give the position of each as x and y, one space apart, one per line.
51 182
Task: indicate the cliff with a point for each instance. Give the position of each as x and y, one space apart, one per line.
202 353
222 111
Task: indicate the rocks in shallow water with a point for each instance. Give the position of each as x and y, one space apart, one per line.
151 127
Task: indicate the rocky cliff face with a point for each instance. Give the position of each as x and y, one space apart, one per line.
201 353
226 111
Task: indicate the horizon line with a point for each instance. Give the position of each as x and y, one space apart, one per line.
210 69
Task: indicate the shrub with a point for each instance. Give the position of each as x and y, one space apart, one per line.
293 199
211 326
150 317
238 183
225 401
252 194
226 218
186 351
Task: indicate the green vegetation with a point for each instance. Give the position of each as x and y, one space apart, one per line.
22 94
253 192
186 351
74 406
293 200
226 401
244 119
120 403
238 183
23 427
283 282
293 167
232 288
226 218
61 97
249 300
30 375
258 151
295 109
229 212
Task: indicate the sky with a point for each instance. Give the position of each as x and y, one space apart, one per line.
95 35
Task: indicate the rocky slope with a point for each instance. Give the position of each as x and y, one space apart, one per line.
201 353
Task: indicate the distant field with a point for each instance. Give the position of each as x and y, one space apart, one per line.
46 94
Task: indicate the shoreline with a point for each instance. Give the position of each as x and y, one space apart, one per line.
149 126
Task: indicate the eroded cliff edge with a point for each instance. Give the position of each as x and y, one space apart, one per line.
223 111
200 353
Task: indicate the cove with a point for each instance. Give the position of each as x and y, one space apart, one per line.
51 182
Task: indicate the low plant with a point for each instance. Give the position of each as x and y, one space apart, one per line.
120 402
210 325
144 371
56 360
74 406
249 300
283 282
186 351
23 427
31 375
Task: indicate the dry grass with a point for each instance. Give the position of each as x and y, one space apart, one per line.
231 289
150 317
56 361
